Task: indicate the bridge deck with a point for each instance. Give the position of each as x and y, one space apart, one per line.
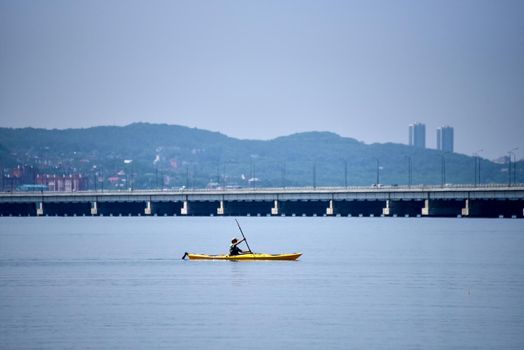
270 194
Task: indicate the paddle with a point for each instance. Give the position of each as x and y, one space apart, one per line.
185 254
245 240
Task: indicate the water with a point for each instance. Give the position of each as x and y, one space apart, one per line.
362 283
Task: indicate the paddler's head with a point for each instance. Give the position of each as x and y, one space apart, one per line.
234 240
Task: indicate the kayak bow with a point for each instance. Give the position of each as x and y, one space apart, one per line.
253 256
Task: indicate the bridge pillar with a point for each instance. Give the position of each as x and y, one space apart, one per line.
465 210
331 209
386 211
220 209
275 209
94 208
149 208
39 209
185 208
425 209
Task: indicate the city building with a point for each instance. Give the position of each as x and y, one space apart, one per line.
445 138
417 135
57 183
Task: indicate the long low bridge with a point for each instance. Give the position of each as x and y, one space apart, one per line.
424 201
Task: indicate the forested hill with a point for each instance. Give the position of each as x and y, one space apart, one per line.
183 156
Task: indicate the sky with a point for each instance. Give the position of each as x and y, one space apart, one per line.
263 69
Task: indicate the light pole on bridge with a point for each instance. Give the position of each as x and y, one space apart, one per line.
477 167
510 154
378 171
410 178
345 173
314 175
283 174
443 170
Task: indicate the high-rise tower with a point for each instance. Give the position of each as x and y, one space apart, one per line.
445 138
417 135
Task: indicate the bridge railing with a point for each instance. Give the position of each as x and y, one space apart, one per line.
378 188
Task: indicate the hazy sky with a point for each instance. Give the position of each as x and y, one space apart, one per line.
261 69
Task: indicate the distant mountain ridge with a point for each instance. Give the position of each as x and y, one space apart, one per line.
183 156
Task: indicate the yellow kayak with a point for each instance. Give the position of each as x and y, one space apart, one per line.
253 256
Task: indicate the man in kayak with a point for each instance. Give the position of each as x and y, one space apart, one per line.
234 249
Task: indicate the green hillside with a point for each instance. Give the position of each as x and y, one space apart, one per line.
175 156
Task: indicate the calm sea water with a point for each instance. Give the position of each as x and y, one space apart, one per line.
362 283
